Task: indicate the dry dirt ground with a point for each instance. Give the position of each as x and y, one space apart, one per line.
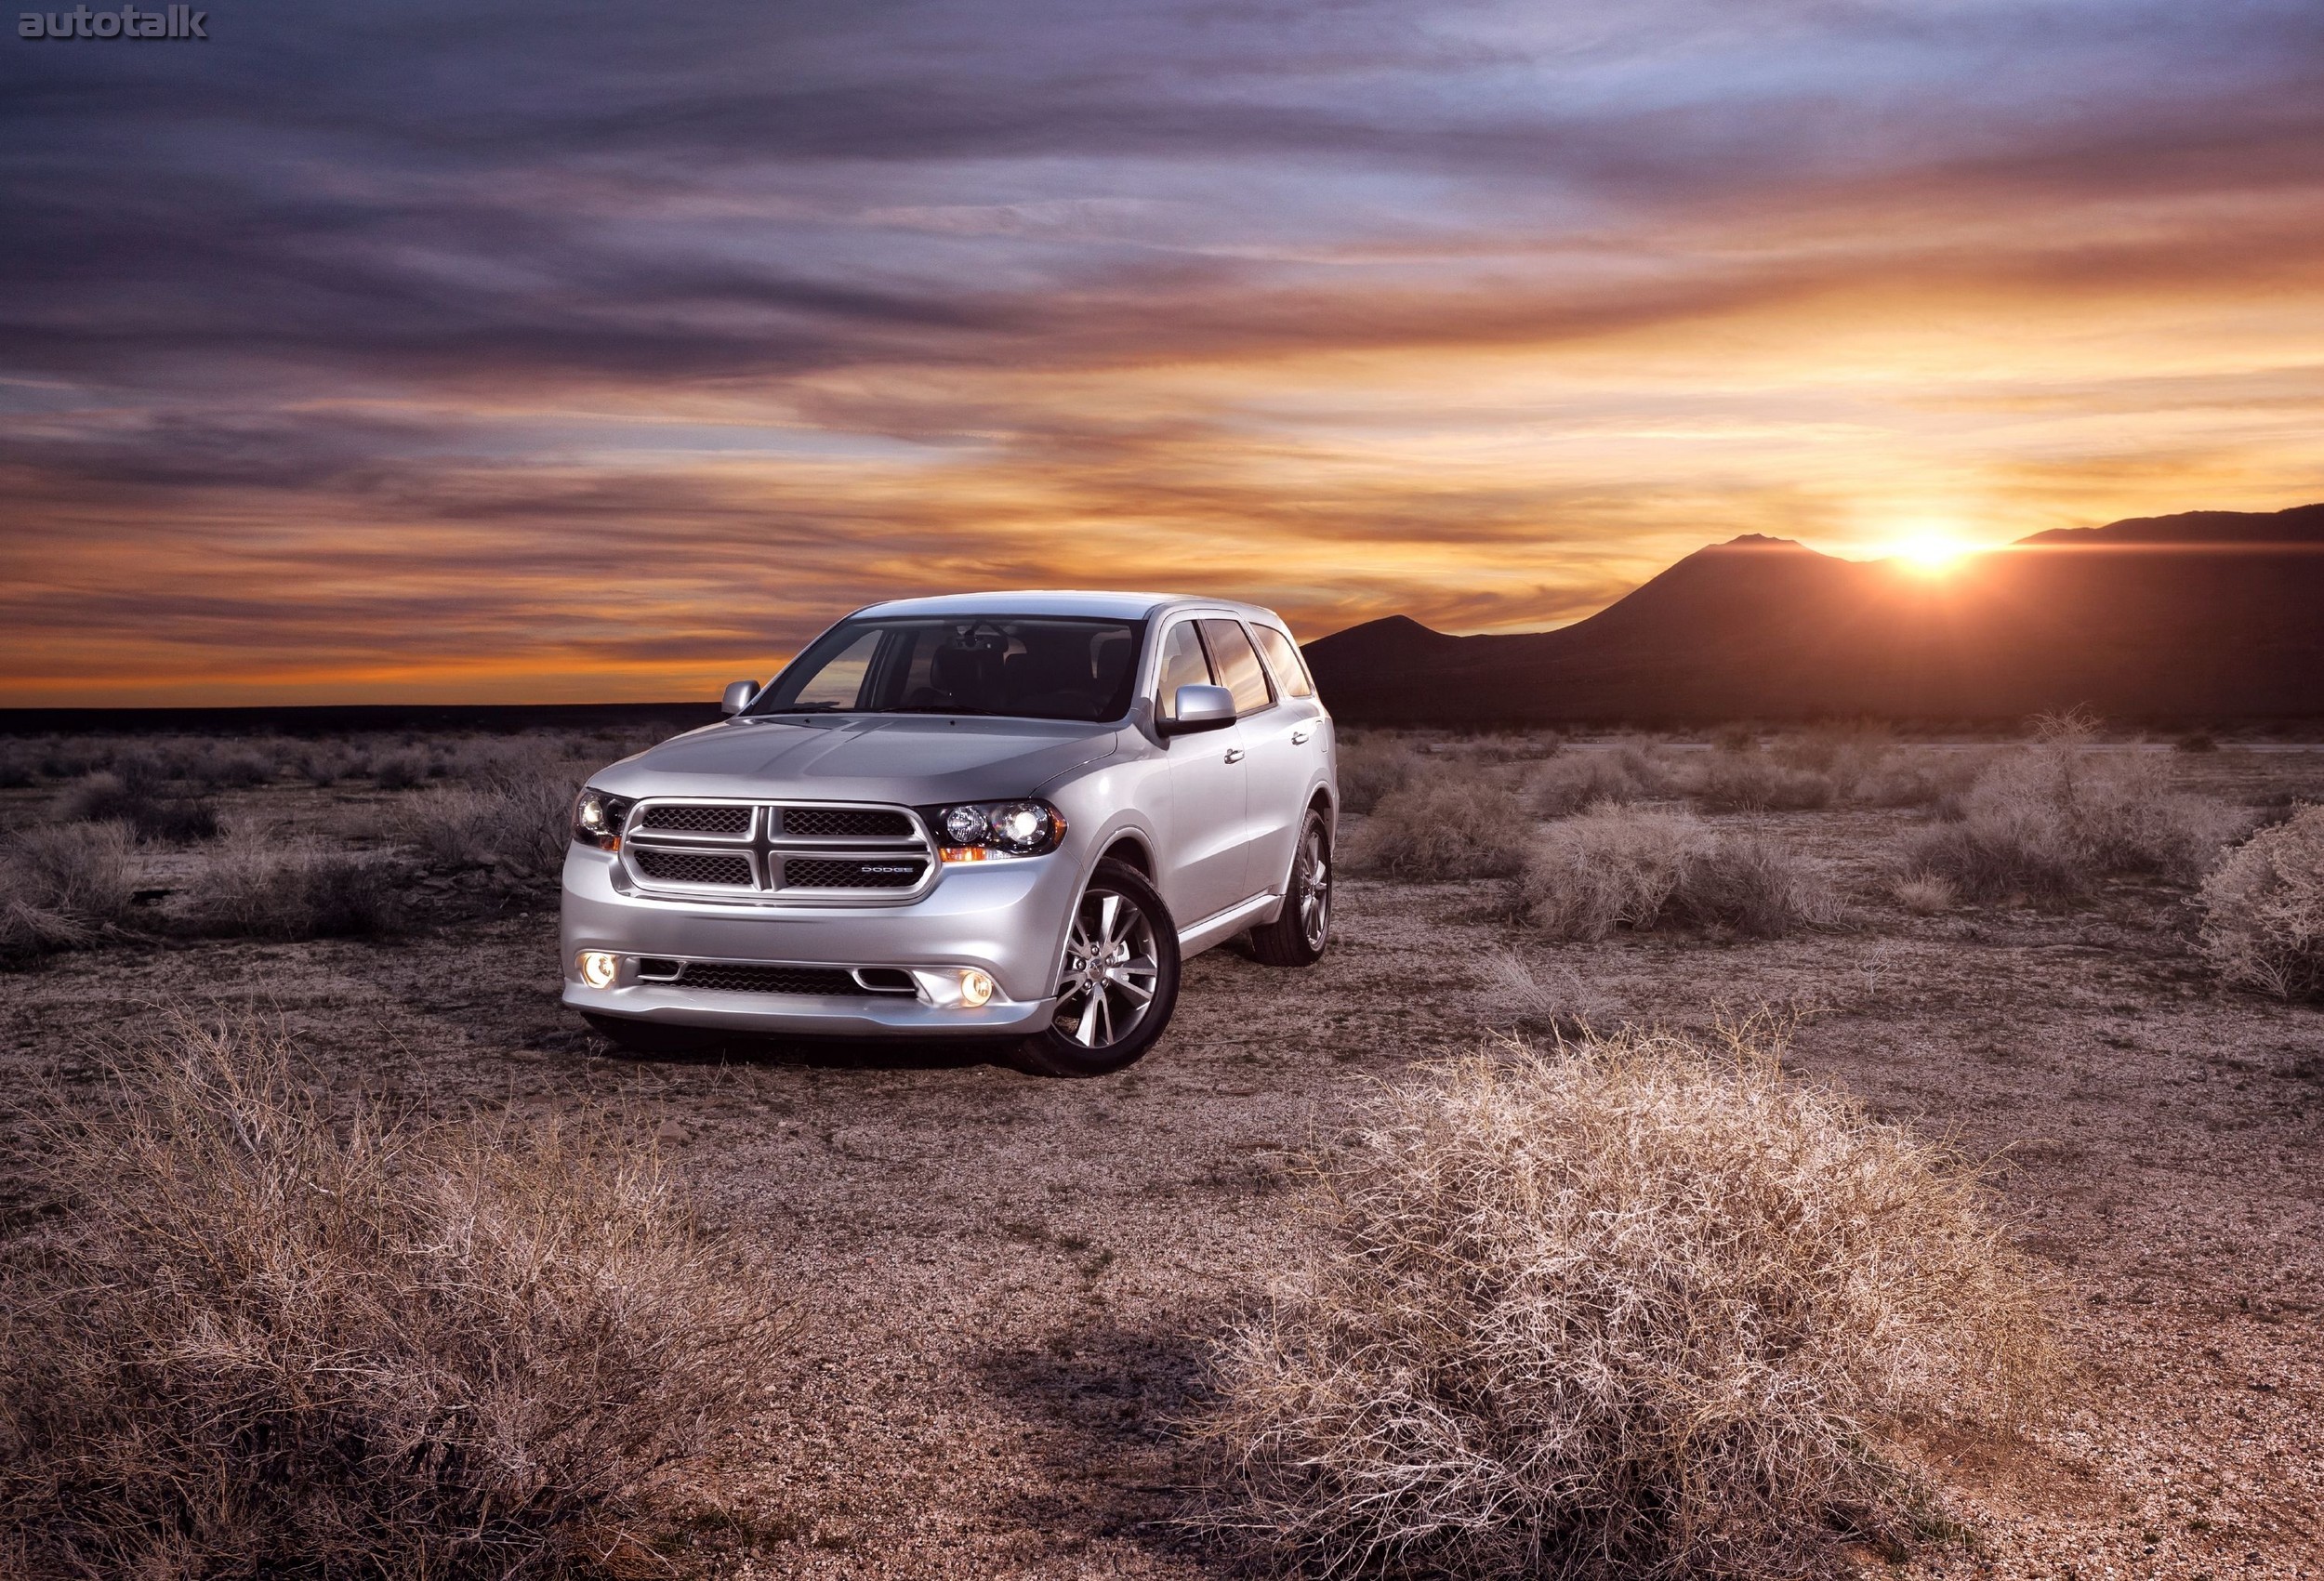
1006 1284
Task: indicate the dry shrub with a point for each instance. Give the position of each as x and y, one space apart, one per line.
68 757
274 1342
260 885
1627 867
20 765
1504 747
236 765
403 771
1923 894
1757 781
2264 910
520 825
324 767
2051 819
1632 1306
1444 825
135 799
1576 780
1567 1005
1843 751
67 884
1927 776
1371 768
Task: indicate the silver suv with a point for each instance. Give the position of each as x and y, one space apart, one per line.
996 815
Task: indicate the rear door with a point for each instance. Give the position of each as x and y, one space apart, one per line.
1205 867
1282 732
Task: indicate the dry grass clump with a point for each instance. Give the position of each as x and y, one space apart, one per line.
1576 780
519 825
1628 867
239 765
1751 780
257 884
2051 819
2264 910
1634 1305
269 1341
405 770
1371 768
67 884
1444 825
1929 776
1923 894
1565 1006
135 798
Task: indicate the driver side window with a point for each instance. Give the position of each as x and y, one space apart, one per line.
1183 664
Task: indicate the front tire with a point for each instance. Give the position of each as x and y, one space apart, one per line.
1117 982
1301 932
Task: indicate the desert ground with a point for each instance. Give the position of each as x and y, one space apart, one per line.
1007 1286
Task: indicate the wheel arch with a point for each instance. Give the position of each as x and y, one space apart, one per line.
1130 850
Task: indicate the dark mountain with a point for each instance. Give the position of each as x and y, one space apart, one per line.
2207 615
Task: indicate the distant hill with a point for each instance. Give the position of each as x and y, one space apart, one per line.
2206 616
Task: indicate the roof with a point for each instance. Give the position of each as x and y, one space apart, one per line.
1058 601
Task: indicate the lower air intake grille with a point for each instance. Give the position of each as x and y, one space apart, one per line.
699 820
768 979
869 872
858 820
692 867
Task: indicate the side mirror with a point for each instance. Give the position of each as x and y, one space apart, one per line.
1199 708
738 696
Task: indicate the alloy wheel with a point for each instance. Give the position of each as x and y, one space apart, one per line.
1107 979
1314 888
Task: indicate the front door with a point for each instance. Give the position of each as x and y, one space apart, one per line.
1205 867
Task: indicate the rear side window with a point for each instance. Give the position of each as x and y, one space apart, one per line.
1183 664
1237 663
1283 657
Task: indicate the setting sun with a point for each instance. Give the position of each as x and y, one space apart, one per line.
1930 552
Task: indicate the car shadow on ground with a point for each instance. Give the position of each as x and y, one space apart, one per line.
819 1053
1108 1407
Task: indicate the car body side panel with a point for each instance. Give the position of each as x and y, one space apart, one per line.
1289 747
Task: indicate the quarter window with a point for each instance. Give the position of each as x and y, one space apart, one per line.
1183 664
1283 657
1239 669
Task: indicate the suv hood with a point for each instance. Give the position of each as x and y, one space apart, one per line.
913 759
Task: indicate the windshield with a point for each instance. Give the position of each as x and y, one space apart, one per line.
1024 667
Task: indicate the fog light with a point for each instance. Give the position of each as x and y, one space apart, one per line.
976 988
598 968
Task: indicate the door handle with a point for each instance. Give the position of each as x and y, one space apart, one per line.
1299 736
1234 755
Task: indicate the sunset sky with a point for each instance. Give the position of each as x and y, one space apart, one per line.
518 352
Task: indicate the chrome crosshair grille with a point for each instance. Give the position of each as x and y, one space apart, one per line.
820 851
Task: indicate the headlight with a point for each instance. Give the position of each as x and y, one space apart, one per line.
981 831
598 818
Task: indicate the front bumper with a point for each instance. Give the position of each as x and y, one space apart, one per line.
1006 919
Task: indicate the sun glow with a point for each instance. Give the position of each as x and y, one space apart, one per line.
1932 553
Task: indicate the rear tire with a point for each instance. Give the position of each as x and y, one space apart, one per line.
1116 981
1301 932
